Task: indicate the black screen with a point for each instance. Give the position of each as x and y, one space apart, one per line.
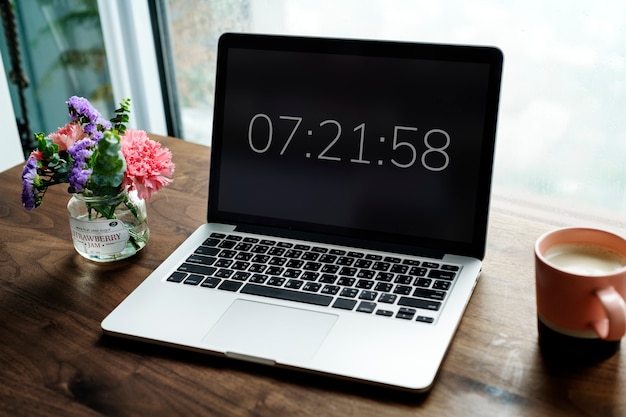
364 144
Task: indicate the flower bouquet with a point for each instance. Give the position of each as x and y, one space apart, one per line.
110 171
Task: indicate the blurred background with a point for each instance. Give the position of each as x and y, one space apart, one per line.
561 132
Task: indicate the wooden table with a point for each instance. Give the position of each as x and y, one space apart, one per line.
54 360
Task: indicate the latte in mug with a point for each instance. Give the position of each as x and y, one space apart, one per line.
584 259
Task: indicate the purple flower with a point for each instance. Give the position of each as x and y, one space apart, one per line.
83 112
29 175
80 152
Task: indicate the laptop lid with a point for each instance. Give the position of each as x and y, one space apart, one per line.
373 144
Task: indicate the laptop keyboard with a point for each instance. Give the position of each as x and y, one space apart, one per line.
391 286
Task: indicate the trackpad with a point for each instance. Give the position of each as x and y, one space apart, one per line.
270 332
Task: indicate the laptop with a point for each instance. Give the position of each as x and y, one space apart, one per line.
347 210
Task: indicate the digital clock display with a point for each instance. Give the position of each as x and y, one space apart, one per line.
355 142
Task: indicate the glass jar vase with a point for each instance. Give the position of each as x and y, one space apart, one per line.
108 228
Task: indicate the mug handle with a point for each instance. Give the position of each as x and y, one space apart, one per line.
613 327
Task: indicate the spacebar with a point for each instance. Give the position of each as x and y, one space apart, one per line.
283 294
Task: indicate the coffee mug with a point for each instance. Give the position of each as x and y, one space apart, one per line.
580 286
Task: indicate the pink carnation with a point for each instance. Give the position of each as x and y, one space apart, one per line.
67 135
149 167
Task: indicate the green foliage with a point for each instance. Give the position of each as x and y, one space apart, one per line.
108 165
122 116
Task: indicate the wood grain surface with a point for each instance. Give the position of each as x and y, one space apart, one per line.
54 360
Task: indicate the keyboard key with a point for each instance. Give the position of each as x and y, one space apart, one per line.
230 285
442 285
388 298
385 313
430 265
294 284
312 266
177 277
293 253
402 290
384 276
362 263
276 281
399 269
224 273
405 313
310 276
392 259
344 304
345 261
259 278
432 294
207 250
223 263
328 259
347 271
366 307
346 281
403 279
366 273
364 284
312 286
227 244
295 263
310 256
276 251
423 282
276 260
240 265
286 294
439 274
330 289
201 259
349 292
197 269
292 273
425 319
383 287
419 303
450 268
257 268
243 247
328 278
241 275
381 266
210 282
260 249
274 270
418 271
211 242
368 295
193 279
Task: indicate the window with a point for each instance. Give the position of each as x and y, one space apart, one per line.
561 135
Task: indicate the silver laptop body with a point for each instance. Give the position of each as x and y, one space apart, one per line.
347 213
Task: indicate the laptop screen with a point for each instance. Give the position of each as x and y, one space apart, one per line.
370 140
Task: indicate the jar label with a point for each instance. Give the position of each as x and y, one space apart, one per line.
99 237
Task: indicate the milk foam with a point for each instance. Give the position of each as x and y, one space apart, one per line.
582 259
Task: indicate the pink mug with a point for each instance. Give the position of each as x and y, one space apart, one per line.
581 284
